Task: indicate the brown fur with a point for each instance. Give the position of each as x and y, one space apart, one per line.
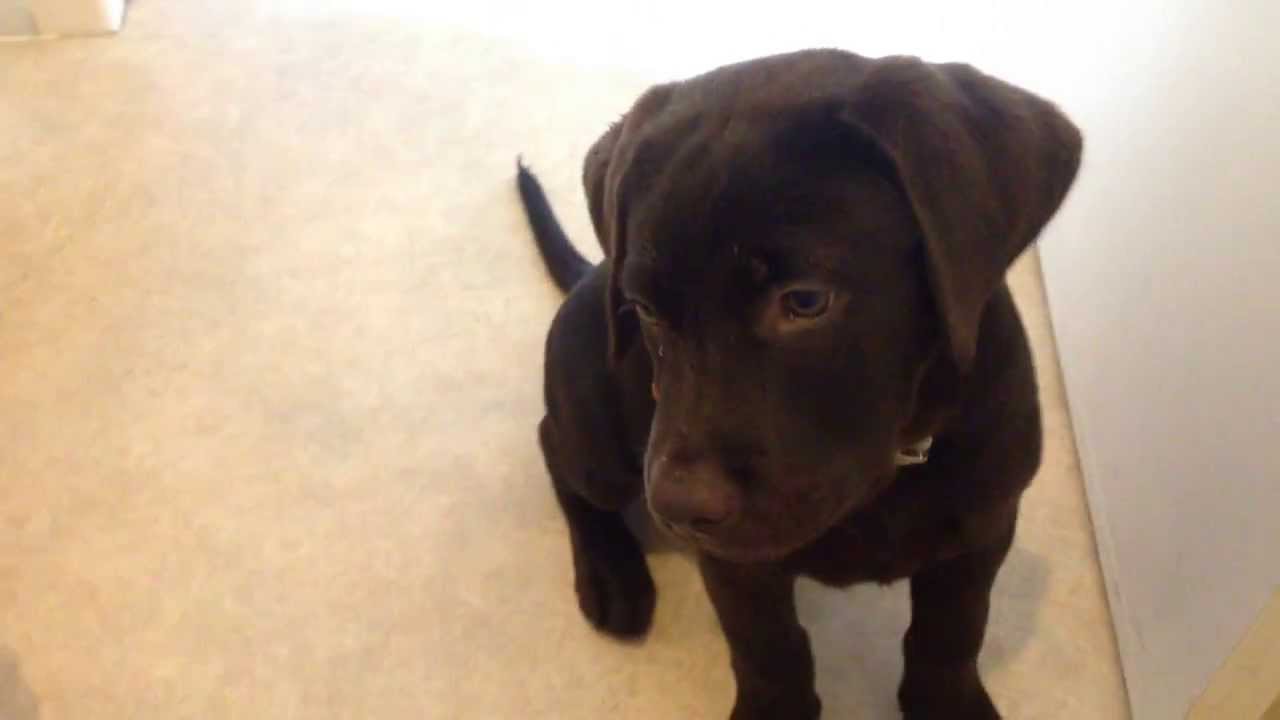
904 190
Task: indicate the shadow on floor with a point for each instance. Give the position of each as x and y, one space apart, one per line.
17 700
1015 606
1015 603
857 632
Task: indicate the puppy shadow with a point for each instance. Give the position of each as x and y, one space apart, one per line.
857 634
880 614
17 700
1015 606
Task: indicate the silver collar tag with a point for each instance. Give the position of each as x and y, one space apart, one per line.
914 454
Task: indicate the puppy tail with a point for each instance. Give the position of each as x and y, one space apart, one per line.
566 265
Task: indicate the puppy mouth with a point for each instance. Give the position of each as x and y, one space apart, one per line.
734 549
752 554
738 547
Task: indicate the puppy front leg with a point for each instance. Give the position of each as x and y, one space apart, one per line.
949 605
772 662
611 577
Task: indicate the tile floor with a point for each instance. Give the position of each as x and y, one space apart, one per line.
270 328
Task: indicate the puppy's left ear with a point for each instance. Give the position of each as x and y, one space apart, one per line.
605 173
595 171
984 164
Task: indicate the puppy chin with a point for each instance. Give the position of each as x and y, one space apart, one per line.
779 547
727 548
746 555
772 547
767 547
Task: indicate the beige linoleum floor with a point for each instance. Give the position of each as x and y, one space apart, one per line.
270 335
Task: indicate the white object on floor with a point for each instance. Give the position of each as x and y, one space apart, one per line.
49 18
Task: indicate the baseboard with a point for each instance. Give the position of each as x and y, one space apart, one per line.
1247 686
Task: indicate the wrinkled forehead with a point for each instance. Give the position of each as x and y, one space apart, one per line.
705 188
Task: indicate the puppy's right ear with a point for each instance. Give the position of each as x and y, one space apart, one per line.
984 164
605 175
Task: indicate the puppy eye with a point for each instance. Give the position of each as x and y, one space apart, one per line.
806 303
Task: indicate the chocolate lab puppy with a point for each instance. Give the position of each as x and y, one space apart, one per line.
801 351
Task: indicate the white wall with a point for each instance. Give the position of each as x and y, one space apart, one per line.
1164 285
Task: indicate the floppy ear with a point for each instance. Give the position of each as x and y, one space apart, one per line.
604 177
594 170
984 165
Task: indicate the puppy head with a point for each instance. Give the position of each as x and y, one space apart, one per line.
794 240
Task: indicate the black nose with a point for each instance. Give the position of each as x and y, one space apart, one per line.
695 495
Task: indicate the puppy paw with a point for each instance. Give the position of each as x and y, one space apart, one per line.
800 706
975 711
974 704
615 590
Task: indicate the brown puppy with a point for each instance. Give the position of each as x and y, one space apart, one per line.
801 350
